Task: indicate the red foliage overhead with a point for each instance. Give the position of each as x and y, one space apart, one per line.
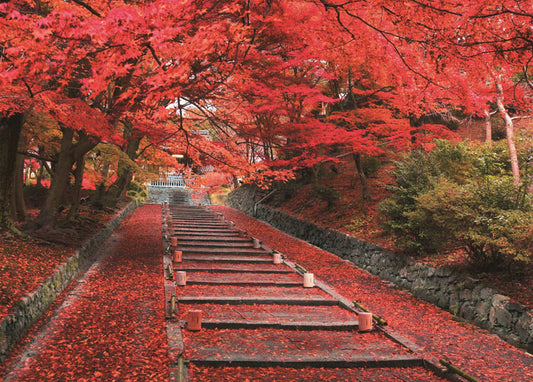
258 74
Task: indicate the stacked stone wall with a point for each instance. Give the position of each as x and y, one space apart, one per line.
33 305
464 297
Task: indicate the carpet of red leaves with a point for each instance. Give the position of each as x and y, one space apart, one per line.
474 350
287 345
350 216
24 265
26 262
268 313
112 327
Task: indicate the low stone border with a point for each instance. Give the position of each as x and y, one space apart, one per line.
33 305
464 297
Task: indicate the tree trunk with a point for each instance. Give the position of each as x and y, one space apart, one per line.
488 128
531 183
40 170
10 128
68 155
365 192
50 210
125 172
509 130
76 195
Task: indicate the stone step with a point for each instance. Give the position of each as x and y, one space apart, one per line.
215 244
179 230
208 235
222 251
335 360
203 225
233 268
235 278
213 240
247 283
289 325
227 258
318 301
291 317
317 348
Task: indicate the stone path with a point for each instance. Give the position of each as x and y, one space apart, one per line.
259 316
111 326
259 322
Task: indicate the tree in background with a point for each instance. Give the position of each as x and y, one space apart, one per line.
145 76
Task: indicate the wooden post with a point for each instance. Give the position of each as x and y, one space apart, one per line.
178 256
181 278
173 306
194 319
174 241
365 321
309 280
257 243
277 258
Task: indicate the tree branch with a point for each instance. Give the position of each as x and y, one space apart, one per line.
88 7
154 55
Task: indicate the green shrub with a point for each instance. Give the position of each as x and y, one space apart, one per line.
482 218
460 196
137 191
413 175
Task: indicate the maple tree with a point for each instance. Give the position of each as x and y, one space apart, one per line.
257 74
462 54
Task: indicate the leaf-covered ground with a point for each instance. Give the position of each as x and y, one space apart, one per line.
26 262
24 265
112 326
472 349
348 215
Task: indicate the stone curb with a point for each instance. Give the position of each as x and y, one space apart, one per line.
34 304
466 298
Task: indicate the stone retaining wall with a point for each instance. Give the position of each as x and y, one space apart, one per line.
464 297
33 305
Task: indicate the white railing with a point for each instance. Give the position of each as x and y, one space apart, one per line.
171 181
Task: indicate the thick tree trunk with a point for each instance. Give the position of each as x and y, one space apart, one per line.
509 130
76 195
18 185
10 128
125 172
50 210
120 186
68 155
365 192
